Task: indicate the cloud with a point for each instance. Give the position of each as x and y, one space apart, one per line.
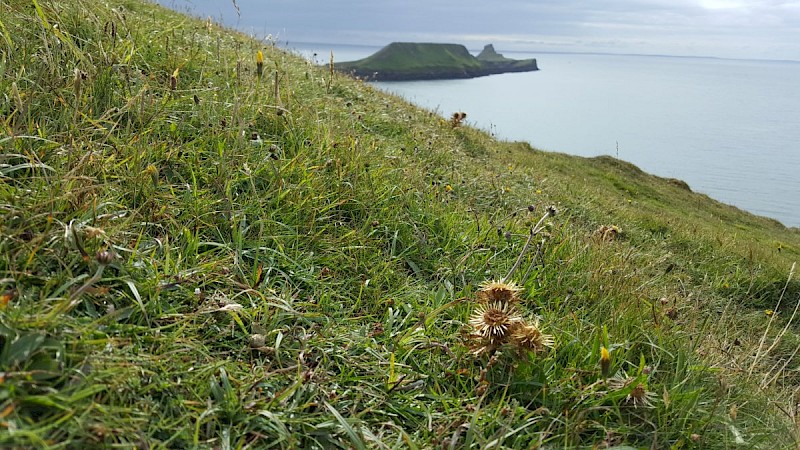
764 28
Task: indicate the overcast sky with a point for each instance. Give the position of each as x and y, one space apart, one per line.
762 29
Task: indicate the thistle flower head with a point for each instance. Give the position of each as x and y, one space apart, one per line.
457 118
499 291
608 233
638 396
493 320
528 336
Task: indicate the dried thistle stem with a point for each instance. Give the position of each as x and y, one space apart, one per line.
534 231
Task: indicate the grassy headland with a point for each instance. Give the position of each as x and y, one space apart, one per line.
193 255
400 61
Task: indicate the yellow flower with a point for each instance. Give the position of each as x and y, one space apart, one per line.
605 362
5 298
259 63
769 312
448 188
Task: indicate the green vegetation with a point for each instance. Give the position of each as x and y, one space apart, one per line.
410 56
196 256
488 54
422 61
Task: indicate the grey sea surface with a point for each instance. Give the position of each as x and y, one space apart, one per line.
729 128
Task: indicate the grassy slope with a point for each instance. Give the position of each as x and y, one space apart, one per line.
489 54
346 246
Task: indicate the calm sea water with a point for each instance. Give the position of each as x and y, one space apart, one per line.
729 128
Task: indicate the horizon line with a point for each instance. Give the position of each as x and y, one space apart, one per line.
562 52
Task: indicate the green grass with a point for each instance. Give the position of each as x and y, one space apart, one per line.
292 262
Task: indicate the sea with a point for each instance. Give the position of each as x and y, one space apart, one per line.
730 128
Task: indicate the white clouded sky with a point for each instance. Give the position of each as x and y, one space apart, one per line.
768 29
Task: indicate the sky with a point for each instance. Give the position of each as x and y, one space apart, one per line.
757 29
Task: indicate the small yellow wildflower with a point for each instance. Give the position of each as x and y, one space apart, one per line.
605 362
5 298
259 63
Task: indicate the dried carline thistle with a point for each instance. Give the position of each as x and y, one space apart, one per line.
607 233
457 118
638 396
491 322
496 320
499 291
528 336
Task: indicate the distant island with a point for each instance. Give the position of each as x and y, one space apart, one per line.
406 61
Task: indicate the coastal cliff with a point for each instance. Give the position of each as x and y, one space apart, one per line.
406 61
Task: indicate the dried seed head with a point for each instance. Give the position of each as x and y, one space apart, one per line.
93 232
528 336
638 396
499 291
492 321
457 118
257 340
105 257
607 233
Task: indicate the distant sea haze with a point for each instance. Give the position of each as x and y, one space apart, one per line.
729 128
